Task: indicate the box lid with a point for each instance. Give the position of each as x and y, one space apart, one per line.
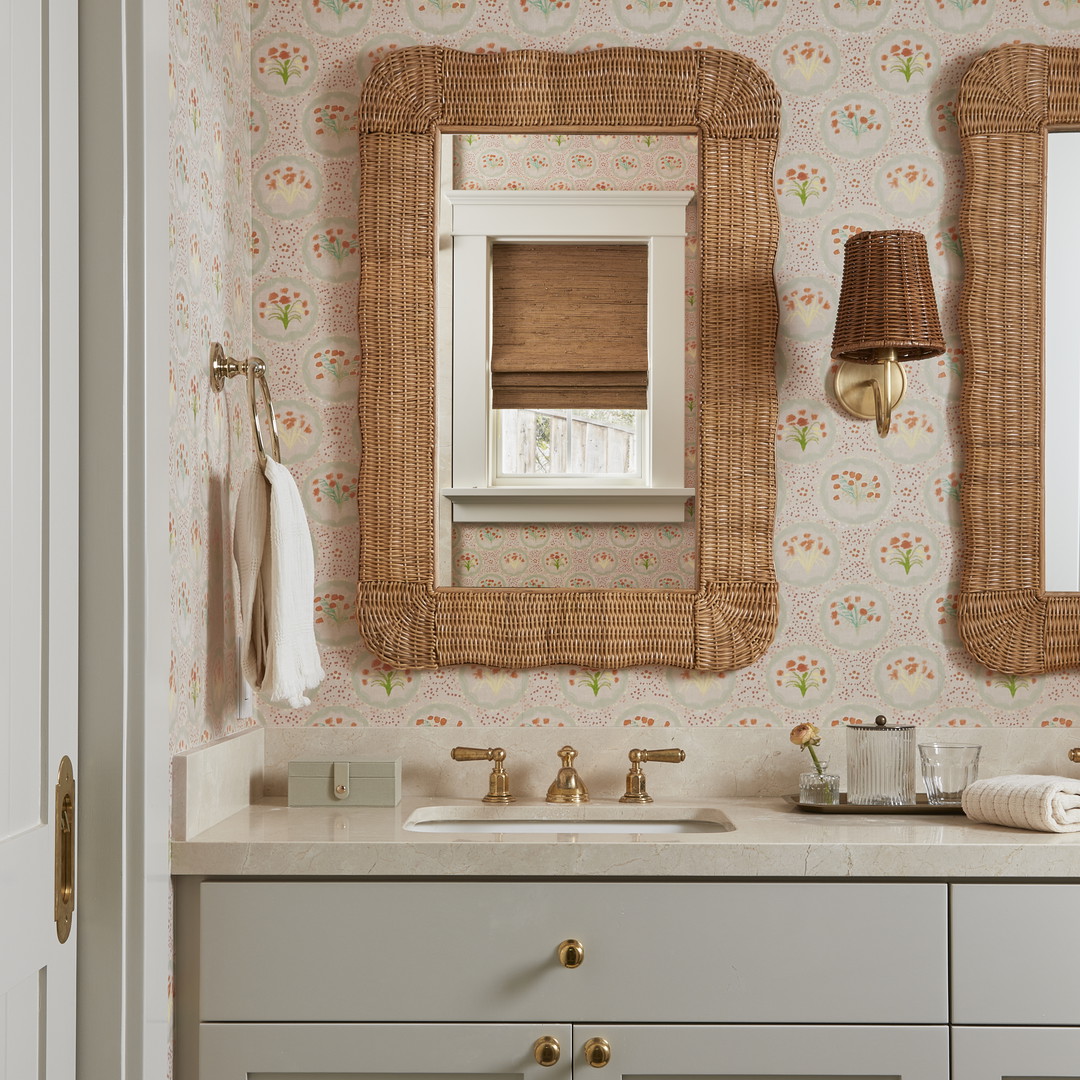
385 767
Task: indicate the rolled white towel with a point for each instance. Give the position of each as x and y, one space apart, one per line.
1043 803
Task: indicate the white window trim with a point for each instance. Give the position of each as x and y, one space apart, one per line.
470 222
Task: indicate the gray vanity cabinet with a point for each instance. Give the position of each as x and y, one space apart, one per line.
1016 1053
505 1051
380 1052
1015 955
767 1052
397 979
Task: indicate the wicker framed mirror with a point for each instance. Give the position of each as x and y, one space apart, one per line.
408 102
1009 100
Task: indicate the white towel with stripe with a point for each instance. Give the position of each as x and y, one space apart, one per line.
1040 803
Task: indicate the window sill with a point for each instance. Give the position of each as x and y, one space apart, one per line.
586 504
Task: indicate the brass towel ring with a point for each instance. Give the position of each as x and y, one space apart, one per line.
224 367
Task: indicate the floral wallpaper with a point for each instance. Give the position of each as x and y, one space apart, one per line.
210 280
867 540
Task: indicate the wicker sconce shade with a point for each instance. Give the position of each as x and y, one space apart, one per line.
569 325
887 314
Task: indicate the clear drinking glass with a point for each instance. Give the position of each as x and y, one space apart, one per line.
948 768
881 764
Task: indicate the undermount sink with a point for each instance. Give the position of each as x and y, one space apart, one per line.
587 818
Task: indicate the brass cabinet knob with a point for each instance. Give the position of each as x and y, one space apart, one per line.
546 1051
597 1052
571 953
1074 754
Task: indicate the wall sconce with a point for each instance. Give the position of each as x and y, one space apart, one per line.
887 314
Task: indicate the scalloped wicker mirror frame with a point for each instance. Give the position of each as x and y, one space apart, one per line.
408 101
1009 99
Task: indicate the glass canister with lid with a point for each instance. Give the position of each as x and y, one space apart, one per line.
881 764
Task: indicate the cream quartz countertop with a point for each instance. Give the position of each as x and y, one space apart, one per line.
771 838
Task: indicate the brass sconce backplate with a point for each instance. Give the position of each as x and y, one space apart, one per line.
855 386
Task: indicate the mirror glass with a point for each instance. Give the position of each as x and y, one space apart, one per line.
572 443
1061 432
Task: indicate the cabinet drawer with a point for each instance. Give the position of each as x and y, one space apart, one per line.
1015 1053
656 952
1013 951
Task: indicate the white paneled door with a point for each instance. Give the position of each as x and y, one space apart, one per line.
38 524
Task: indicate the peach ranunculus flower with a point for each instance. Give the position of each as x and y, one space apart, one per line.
804 735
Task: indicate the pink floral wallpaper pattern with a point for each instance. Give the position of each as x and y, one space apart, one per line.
210 279
867 537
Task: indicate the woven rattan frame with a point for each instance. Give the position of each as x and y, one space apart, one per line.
412 97
1008 101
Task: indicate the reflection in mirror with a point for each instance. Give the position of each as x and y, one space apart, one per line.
578 380
1061 430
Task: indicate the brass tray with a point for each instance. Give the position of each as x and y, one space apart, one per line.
919 806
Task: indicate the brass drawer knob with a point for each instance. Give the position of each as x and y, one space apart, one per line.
597 1052
571 953
546 1051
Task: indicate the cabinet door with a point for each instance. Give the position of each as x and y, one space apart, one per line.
1015 1053
1013 951
768 1052
383 1051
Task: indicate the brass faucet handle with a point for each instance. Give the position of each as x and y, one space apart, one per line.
478 753
635 778
499 781
672 754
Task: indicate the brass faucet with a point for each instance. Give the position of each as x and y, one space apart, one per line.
499 781
635 778
567 785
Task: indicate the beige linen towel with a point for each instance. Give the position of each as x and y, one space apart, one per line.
1043 803
251 534
276 566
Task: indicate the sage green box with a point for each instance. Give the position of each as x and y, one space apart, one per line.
345 783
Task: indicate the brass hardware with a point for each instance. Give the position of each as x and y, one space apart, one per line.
571 953
635 778
64 857
871 391
597 1052
1074 754
499 781
567 787
224 367
546 1050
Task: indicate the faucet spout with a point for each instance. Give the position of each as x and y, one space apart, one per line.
567 787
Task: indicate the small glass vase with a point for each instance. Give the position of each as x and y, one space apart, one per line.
819 788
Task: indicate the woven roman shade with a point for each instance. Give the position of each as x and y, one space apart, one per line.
569 325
